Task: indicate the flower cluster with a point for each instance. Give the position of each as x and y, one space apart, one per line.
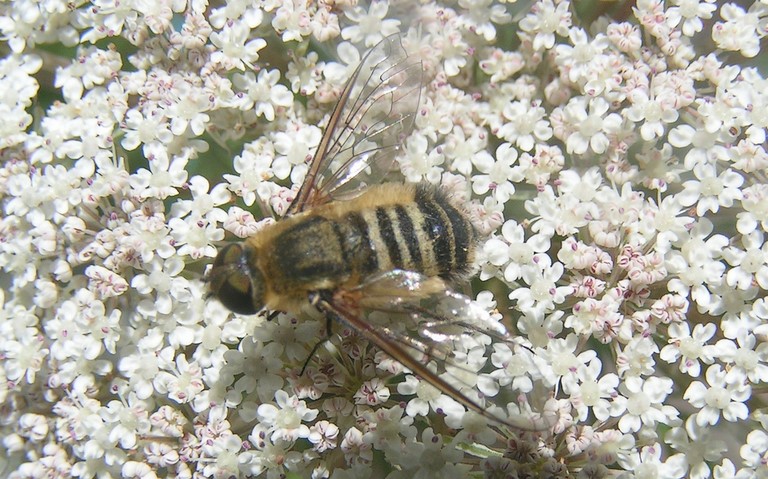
614 161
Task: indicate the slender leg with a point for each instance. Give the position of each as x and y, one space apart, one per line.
314 299
328 321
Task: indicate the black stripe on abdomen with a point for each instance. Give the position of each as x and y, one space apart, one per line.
462 235
451 234
437 226
389 236
410 237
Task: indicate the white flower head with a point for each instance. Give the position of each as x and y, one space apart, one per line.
614 170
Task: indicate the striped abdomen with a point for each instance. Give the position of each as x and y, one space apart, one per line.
429 235
390 226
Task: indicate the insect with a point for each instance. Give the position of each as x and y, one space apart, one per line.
351 244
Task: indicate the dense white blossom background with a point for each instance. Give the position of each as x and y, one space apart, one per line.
612 154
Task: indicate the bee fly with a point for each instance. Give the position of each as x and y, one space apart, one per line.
350 245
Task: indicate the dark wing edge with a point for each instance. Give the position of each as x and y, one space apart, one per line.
374 114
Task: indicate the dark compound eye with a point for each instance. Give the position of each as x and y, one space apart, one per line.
236 299
234 280
230 254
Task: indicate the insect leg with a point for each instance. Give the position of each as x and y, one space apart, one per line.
314 299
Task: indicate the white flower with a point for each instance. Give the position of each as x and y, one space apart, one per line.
336 73
372 392
578 59
33 426
304 74
754 450
421 163
453 48
546 20
688 349
542 164
427 397
588 129
748 360
749 265
371 26
711 191
274 457
356 451
696 264
285 421
262 94
517 371
591 390
24 357
741 312
168 123
126 421
55 460
94 67
499 174
463 151
648 463
325 24
755 206
561 354
739 31
19 87
542 292
235 45
690 13
637 358
388 428
323 435
293 151
644 403
500 64
105 282
698 446
432 458
142 128
223 452
525 125
668 219
141 368
187 110
182 383
204 200
480 16
163 177
163 279
134 469
513 250
719 398
195 237
253 166
241 222
652 112
292 20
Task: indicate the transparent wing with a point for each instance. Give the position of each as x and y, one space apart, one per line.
438 313
374 114
437 333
